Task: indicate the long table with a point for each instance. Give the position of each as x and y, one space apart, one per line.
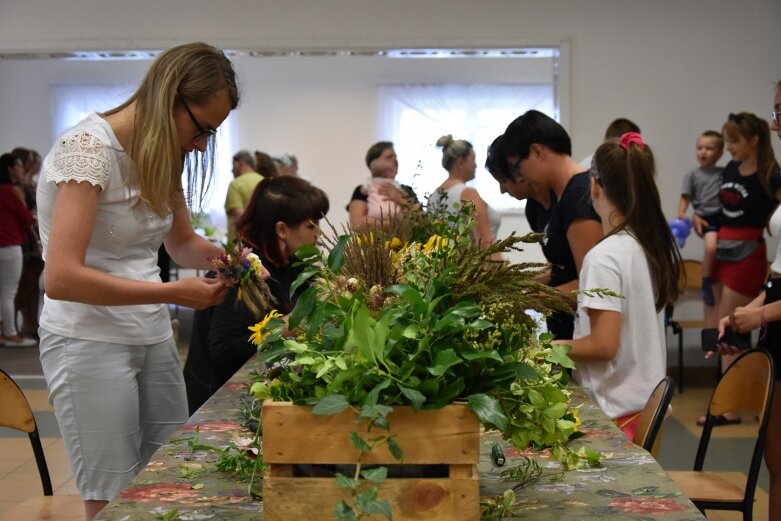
179 483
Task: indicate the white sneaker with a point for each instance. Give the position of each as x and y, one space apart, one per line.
24 342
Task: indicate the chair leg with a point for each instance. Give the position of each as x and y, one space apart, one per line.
680 361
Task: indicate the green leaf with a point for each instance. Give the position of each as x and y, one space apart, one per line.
474 354
560 355
480 324
415 397
268 356
411 331
443 361
345 376
556 411
307 251
394 449
304 306
374 395
331 404
466 309
365 498
515 371
327 366
359 443
379 507
304 276
381 328
304 360
345 512
336 256
376 475
362 332
537 399
410 294
295 347
343 481
488 410
448 321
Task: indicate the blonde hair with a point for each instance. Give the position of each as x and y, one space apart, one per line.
195 72
453 150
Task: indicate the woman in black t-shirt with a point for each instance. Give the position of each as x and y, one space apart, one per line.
536 150
281 216
750 191
382 162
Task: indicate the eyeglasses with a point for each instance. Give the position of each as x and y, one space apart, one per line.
776 117
208 132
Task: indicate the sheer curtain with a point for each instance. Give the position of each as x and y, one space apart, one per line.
72 103
415 116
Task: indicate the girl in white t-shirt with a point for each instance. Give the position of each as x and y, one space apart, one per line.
619 346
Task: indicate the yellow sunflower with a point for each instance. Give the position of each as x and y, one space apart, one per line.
257 330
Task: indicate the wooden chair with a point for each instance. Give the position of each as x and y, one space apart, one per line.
747 385
654 412
691 286
16 414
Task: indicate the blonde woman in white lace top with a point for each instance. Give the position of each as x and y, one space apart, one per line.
110 193
458 158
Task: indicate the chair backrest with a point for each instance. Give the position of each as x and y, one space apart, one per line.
691 275
17 414
652 416
747 385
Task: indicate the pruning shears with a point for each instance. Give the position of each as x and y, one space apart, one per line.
497 455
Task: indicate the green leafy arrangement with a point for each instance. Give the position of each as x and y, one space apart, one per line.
415 314
425 322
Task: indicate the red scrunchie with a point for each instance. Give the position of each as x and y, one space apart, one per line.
631 137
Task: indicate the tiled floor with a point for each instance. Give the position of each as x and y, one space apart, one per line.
729 451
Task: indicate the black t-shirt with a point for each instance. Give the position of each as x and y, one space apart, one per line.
537 214
575 204
358 195
219 343
745 202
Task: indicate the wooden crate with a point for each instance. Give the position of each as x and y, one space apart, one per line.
448 436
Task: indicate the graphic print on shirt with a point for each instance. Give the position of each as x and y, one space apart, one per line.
731 195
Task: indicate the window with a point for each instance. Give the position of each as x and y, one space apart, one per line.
415 116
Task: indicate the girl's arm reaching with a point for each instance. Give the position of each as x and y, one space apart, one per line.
602 344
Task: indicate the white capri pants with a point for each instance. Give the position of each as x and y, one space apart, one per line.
115 405
10 273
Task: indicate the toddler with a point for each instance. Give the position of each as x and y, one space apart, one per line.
379 204
701 188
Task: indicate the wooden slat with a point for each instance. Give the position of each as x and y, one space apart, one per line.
291 434
462 471
282 471
706 486
315 499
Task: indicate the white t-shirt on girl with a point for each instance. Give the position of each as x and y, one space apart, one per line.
622 385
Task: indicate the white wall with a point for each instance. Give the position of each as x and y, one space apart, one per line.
675 67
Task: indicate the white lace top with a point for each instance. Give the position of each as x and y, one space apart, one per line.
451 198
125 237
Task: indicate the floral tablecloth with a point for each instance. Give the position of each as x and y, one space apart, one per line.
181 484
